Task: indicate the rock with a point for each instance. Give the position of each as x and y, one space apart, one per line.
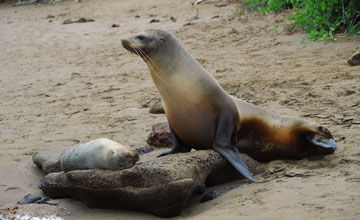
173 19
28 199
160 135
49 159
80 20
144 150
84 20
223 4
161 186
154 20
188 24
355 59
67 21
157 108
100 153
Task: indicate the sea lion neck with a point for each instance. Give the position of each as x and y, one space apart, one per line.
174 71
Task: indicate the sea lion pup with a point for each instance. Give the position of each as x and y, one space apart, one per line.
100 153
202 115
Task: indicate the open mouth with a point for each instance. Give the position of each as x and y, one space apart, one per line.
134 50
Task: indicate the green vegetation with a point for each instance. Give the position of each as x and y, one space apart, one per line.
320 19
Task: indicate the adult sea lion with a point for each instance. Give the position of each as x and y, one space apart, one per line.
202 115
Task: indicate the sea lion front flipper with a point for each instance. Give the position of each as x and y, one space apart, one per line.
224 144
178 145
235 158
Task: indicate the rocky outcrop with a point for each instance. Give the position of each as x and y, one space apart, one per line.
161 186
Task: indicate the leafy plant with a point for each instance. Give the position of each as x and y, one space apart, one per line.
320 19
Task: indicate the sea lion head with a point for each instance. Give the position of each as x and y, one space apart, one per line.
147 43
316 139
119 157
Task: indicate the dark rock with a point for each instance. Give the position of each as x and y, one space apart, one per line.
223 4
84 20
173 19
115 25
28 199
355 59
161 186
157 108
188 24
213 194
144 150
49 159
160 135
154 20
67 21
80 20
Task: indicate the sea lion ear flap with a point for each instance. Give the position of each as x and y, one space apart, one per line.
162 38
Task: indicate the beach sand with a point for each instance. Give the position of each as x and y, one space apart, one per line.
61 85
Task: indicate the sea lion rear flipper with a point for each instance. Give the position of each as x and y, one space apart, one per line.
178 145
235 158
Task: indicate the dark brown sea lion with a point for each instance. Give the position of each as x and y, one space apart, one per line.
203 116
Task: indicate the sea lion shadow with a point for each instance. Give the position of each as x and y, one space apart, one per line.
315 157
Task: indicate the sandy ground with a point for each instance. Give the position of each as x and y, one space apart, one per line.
61 85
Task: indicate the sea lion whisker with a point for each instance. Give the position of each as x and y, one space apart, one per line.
152 66
146 59
151 61
134 49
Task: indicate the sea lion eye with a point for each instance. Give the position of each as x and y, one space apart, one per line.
325 131
141 37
